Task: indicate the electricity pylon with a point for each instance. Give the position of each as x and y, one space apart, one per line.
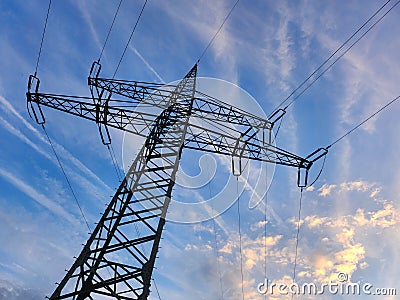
118 259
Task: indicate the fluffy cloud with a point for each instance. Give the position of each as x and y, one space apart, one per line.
326 189
342 248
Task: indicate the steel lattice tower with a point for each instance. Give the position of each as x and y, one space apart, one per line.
118 259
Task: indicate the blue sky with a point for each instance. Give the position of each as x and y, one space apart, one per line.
351 216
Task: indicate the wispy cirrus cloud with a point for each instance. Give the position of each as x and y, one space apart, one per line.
147 64
37 196
85 11
82 180
9 108
204 23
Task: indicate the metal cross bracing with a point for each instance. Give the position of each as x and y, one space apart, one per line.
113 262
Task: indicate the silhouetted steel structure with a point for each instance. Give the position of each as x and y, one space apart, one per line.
114 262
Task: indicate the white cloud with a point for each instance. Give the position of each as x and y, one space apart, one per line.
345 249
82 5
360 186
9 108
207 18
310 188
147 64
375 192
326 189
37 196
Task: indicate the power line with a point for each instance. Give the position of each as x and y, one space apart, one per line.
214 229
215 237
109 31
320 171
216 243
218 263
363 122
155 285
297 237
219 29
145 251
114 160
277 131
130 38
121 173
240 233
319 76
265 229
333 54
109 146
66 178
43 34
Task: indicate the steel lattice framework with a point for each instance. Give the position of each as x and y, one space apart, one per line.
118 258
